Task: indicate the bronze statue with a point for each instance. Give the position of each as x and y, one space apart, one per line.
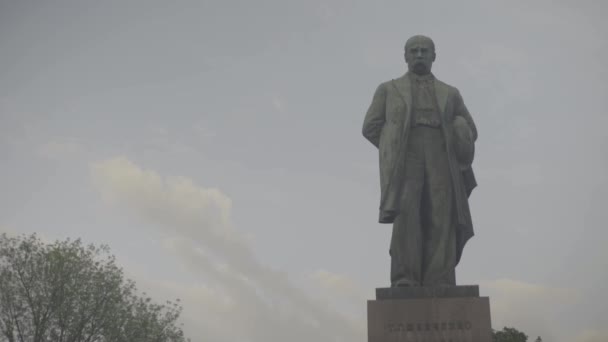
425 137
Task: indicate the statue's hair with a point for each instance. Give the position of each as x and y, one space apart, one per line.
419 38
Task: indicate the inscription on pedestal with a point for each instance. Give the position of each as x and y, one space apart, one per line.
435 326
429 331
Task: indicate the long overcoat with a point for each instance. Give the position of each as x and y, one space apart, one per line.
387 126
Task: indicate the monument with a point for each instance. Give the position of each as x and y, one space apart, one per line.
426 142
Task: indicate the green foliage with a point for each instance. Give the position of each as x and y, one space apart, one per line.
509 335
68 292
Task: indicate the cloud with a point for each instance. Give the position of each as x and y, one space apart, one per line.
340 285
13 233
329 11
258 303
203 129
503 69
343 293
278 104
531 308
520 288
175 199
26 132
60 148
8 231
156 139
326 12
206 311
592 336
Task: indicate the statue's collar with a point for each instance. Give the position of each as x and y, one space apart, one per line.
428 78
403 86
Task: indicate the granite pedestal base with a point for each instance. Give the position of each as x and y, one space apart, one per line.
429 314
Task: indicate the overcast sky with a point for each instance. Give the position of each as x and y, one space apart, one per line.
216 147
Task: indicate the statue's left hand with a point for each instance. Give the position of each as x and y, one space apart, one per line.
462 141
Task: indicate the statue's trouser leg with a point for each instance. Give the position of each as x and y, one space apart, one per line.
437 214
406 241
423 248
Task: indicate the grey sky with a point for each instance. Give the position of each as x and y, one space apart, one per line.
216 147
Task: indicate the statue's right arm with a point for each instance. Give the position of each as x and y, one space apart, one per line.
375 117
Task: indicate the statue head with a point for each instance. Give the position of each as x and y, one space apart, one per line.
419 54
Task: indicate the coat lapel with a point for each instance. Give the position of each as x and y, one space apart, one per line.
441 91
403 88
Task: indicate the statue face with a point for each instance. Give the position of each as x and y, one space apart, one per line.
419 56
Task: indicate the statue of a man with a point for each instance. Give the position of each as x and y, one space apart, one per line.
425 136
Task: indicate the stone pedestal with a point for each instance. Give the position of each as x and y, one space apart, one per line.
429 314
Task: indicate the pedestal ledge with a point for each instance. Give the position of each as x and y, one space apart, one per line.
427 292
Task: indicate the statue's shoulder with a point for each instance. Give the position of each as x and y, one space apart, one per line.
385 84
385 88
397 82
451 89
